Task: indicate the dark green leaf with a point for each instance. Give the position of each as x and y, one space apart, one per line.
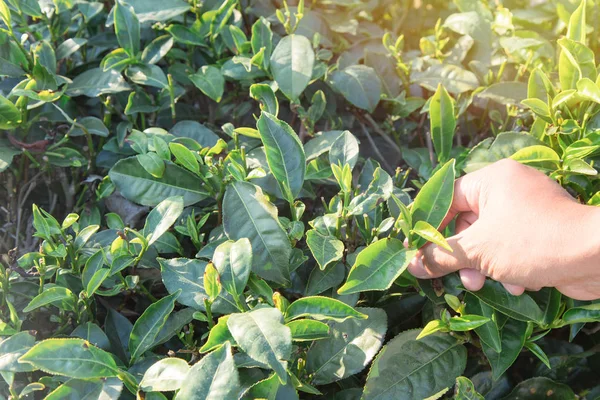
248 214
415 369
349 349
148 325
262 335
377 266
75 358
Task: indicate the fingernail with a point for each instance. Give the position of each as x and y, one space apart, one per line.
417 269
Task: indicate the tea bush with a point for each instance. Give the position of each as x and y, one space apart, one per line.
211 199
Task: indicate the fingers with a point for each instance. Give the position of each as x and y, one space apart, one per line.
465 220
515 290
472 279
433 261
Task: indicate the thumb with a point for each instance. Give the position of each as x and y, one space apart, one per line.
433 261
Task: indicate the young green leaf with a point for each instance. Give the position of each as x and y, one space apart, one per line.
443 123
152 163
582 314
344 150
157 49
184 157
188 276
263 93
539 353
488 333
432 327
212 282
306 330
233 261
431 234
435 198
466 322
321 308
218 336
10 116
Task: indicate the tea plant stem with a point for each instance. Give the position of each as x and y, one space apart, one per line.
241 305
207 305
172 95
145 291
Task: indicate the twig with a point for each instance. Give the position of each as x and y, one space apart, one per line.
374 146
381 133
430 148
23 195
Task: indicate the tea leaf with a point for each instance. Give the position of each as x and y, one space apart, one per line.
75 358
321 308
351 346
513 339
521 308
210 81
285 154
443 123
165 375
146 328
292 64
218 336
360 85
162 217
325 249
306 330
233 260
59 296
262 335
214 377
11 350
139 186
127 27
433 201
248 214
377 266
415 369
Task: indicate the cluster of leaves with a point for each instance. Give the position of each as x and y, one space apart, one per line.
224 235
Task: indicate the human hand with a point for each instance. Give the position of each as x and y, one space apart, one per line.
519 227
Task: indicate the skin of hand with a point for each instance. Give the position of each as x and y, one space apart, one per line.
519 227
